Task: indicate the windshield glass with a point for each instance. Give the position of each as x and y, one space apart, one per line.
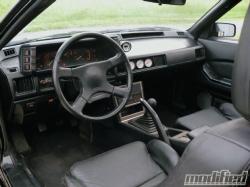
5 6
64 14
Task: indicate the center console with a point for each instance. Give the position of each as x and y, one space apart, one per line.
136 116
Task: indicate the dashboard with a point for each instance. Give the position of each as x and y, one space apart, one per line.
27 68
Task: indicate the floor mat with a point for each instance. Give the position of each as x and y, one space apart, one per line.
54 152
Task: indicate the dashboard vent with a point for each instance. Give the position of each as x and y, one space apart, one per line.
115 38
142 35
181 33
24 85
9 52
199 53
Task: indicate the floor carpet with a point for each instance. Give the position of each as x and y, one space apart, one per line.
54 152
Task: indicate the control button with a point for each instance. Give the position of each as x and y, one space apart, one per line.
26 67
140 64
26 59
132 65
148 63
30 106
26 52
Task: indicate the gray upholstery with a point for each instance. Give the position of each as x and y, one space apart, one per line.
206 117
241 72
224 147
229 111
163 155
129 165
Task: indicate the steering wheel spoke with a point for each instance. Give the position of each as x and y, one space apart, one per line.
64 72
79 104
121 91
117 90
114 61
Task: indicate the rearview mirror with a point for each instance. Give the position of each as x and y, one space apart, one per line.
224 30
170 2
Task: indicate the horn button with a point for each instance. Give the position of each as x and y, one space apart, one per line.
94 77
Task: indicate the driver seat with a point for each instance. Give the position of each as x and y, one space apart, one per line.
134 164
223 147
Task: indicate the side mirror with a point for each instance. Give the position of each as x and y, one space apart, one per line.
170 2
224 30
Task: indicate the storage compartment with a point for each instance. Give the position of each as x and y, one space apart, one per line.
178 135
179 139
173 132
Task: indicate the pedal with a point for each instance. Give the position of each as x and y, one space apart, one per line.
42 127
20 141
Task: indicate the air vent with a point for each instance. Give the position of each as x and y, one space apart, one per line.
199 53
181 33
9 52
142 35
24 85
115 38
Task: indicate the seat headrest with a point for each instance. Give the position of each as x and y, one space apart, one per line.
241 71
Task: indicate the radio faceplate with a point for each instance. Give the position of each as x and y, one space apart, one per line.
133 108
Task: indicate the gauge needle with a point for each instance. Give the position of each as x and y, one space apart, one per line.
51 62
79 58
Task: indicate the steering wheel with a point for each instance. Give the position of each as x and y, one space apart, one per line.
92 76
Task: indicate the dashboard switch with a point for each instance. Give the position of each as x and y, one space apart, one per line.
26 67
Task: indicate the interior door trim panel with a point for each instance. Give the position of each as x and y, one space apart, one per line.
212 76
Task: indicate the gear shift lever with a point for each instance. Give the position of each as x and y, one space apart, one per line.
150 121
152 102
157 122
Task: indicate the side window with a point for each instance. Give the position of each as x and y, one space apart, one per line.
229 26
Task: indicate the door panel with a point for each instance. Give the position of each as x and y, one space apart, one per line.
219 63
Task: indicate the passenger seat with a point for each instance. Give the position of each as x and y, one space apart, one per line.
208 117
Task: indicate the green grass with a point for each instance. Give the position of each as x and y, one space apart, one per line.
87 13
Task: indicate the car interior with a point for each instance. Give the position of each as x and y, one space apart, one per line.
137 107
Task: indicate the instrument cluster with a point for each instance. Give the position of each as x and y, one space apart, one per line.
40 58
73 57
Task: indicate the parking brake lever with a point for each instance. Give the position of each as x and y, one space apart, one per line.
159 126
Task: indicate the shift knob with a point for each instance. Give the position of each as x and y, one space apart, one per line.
152 102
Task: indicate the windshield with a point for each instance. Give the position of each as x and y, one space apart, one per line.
64 14
5 6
